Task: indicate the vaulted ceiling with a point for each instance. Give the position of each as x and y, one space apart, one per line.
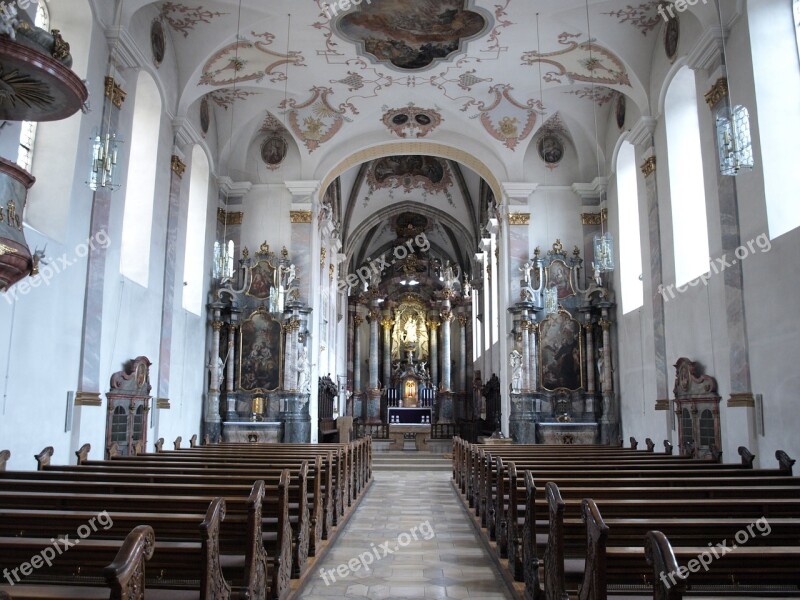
347 88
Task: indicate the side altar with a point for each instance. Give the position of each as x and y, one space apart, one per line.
561 365
259 369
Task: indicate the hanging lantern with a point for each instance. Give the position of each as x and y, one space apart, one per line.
604 252
103 173
734 141
551 300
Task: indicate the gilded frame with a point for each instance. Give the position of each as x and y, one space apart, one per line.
262 280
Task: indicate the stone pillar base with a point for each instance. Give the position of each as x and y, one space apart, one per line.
213 429
296 418
372 408
444 407
230 401
522 420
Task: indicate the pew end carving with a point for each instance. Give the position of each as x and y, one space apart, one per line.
5 455
193 441
159 445
747 457
594 584
126 574
177 442
659 555
83 453
45 456
634 443
668 447
651 445
554 582
785 463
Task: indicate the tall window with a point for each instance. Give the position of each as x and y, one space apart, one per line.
137 222
775 41
630 247
687 187
194 262
27 135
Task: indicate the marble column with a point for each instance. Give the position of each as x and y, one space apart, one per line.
374 333
168 281
608 422
462 354
230 377
534 364
525 326
433 326
447 319
213 422
296 414
387 324
357 321
590 364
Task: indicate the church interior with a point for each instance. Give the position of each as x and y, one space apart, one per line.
288 230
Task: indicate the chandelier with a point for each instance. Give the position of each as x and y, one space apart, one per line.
103 174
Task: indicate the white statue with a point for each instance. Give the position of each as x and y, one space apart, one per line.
290 274
303 372
516 370
597 278
526 270
410 330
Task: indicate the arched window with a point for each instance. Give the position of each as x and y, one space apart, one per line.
774 38
630 246
27 135
687 186
194 262
137 224
796 6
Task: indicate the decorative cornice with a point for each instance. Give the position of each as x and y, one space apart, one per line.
717 92
742 400
127 53
114 92
519 218
178 166
592 190
185 133
649 166
88 399
519 192
662 404
233 189
300 216
595 218
229 218
642 132
302 189
707 51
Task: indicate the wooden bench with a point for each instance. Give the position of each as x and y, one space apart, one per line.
178 570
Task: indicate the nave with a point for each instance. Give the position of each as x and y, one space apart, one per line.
446 561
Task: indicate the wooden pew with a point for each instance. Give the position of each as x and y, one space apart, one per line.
243 525
132 484
185 570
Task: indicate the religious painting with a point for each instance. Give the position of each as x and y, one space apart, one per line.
205 115
559 274
260 353
561 355
262 278
672 34
551 149
620 110
158 42
412 34
274 150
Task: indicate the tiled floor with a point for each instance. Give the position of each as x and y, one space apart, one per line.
446 560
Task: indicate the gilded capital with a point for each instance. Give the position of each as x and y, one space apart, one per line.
605 324
358 320
447 316
462 319
217 325
649 166
433 324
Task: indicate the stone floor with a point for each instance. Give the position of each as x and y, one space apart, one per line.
427 548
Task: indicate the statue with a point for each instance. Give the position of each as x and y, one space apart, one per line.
597 278
303 372
410 328
516 370
526 269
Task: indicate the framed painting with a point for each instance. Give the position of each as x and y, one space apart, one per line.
260 353
561 353
559 274
262 280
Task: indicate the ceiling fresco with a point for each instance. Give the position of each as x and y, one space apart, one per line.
411 34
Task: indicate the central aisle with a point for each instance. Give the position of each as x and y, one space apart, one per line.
446 560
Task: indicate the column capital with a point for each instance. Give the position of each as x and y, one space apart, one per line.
387 323
302 189
433 323
596 189
374 316
641 134
447 316
462 319
518 192
358 320
217 325
233 189
605 324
